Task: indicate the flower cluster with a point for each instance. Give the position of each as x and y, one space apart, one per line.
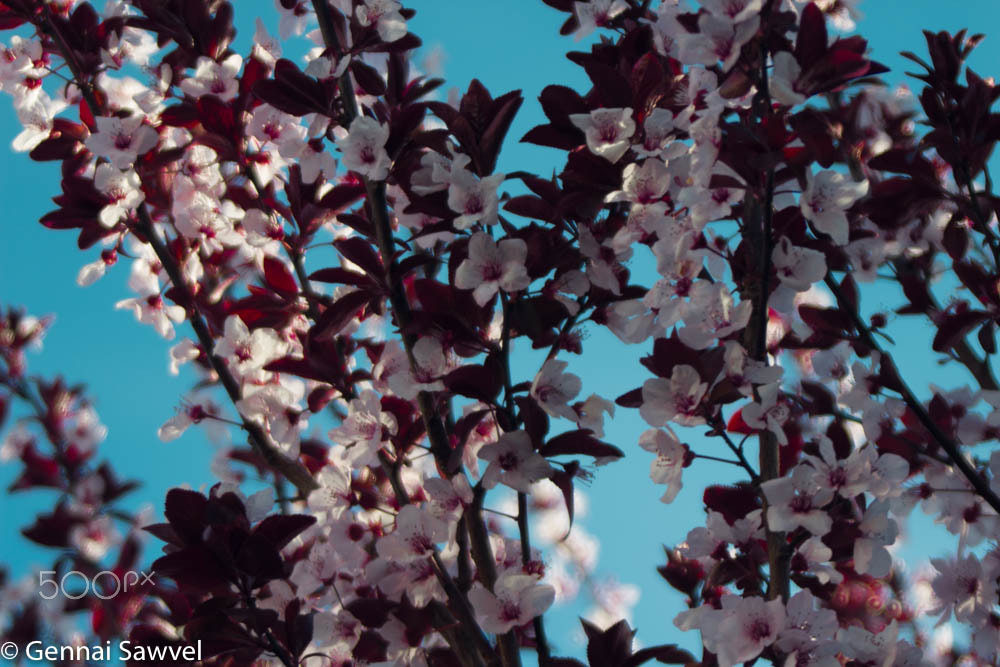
752 158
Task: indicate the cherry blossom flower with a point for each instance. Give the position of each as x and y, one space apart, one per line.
493 266
594 14
658 133
784 77
121 140
740 630
642 184
36 116
712 315
275 409
363 148
248 352
513 462
554 389
878 532
361 433
718 38
215 78
430 364
827 196
94 537
449 498
193 412
962 588
677 399
734 10
797 268
608 131
770 413
669 462
122 189
334 494
385 16
750 625
797 501
808 630
516 600
152 310
590 413
416 533
474 199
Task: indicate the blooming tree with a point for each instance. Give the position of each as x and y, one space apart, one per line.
769 175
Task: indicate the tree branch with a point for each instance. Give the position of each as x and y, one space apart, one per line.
291 469
981 486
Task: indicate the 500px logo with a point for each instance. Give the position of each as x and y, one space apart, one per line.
110 586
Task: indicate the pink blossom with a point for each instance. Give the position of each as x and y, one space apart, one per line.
677 399
827 196
493 266
415 536
215 78
554 389
513 462
669 462
517 598
608 131
121 140
363 148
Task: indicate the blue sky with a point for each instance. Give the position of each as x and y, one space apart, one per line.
509 45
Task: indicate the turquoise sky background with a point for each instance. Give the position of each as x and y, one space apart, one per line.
506 45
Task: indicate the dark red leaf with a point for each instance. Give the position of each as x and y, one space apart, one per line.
581 441
280 529
279 278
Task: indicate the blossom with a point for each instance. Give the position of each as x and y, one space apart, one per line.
416 533
734 10
554 389
677 399
827 196
608 131
712 314
750 625
797 501
152 310
363 148
123 190
474 199
770 413
878 532
334 494
121 140
362 430
784 77
593 14
429 365
385 16
248 352
274 408
492 266
214 78
797 268
642 184
669 462
961 586
718 38
513 462
517 598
